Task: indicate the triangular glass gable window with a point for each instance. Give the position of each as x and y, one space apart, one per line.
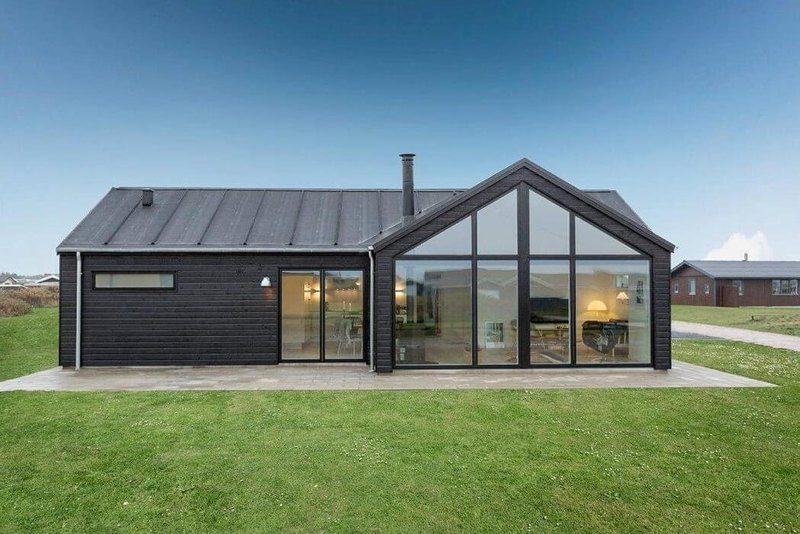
591 240
453 240
549 226
497 226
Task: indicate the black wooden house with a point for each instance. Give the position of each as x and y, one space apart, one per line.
521 270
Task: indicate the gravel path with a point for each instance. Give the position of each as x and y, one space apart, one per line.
778 341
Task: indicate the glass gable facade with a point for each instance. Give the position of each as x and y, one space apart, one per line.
522 281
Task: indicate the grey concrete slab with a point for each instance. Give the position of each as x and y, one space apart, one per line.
358 377
778 341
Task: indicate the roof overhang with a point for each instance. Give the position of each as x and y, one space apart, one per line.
547 175
210 249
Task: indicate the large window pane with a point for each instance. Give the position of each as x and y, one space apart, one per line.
344 315
433 319
455 240
549 226
497 226
613 308
549 311
300 319
591 240
497 312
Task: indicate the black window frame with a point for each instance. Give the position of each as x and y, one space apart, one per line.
365 291
174 287
524 257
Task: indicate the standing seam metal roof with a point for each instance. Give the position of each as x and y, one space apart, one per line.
258 219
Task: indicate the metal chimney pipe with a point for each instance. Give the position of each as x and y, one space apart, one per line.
147 197
408 186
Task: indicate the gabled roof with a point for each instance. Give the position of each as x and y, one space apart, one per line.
47 278
743 269
606 201
245 219
10 281
301 220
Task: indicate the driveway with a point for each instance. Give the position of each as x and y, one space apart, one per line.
778 341
358 377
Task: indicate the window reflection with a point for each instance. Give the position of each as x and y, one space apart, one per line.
497 312
433 320
613 308
300 318
549 311
497 226
344 318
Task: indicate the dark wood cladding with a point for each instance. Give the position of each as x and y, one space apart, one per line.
66 309
700 298
218 313
384 277
757 291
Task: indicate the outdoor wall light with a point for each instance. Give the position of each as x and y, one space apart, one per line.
266 282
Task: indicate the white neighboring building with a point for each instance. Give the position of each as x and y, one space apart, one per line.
50 280
10 283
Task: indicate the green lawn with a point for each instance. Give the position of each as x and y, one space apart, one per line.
552 460
777 320
28 343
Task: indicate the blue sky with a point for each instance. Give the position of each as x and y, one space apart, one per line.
690 109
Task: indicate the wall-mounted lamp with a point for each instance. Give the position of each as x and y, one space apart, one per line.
623 297
266 282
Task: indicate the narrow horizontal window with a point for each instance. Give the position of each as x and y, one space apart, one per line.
134 280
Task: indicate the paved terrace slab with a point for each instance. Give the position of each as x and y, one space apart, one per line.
357 377
778 341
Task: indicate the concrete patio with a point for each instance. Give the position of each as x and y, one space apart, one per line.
357 377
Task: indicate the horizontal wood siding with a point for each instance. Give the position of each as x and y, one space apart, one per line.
681 278
218 313
757 292
66 310
384 283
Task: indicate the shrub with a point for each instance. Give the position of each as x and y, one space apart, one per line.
38 297
11 305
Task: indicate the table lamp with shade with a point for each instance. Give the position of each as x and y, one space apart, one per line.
597 306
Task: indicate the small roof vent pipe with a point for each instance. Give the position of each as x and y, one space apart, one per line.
147 197
745 256
408 186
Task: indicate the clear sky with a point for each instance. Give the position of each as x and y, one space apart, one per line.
690 109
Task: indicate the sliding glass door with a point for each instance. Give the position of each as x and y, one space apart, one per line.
322 315
344 315
300 315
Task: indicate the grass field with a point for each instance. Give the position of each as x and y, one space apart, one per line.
539 460
777 320
28 343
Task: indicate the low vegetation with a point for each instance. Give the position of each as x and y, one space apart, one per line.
14 302
777 320
435 461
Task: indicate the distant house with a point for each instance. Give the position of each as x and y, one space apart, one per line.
50 280
10 283
736 283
